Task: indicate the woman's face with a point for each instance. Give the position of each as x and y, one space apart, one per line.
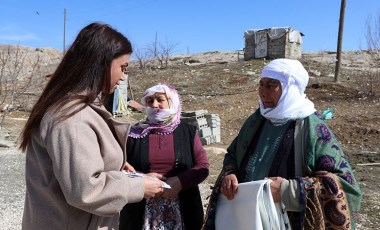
269 91
157 101
118 69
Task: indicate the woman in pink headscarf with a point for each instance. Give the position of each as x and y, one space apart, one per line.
169 150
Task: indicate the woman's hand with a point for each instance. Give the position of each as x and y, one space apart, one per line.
153 187
275 187
156 175
229 186
175 185
128 167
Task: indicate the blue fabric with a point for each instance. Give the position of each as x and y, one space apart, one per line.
115 100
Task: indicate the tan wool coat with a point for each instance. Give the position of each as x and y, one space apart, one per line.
73 172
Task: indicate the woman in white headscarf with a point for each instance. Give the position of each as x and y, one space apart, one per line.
172 151
287 141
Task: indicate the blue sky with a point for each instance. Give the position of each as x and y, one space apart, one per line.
193 26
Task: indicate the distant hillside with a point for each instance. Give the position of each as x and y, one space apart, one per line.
49 58
26 57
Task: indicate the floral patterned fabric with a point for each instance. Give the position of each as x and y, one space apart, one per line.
324 153
326 204
162 214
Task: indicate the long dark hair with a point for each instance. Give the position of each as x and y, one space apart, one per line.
83 72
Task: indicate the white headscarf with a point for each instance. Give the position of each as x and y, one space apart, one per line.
293 103
156 116
161 121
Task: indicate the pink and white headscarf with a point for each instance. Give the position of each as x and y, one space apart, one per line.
293 103
161 121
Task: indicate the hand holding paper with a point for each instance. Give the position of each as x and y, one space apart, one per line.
137 174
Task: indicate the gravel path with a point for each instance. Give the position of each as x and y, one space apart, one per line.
12 188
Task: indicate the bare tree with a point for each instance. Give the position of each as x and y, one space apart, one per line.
143 57
17 77
373 36
370 79
152 47
164 52
161 52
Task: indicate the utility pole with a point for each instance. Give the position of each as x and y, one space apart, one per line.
340 38
155 47
64 31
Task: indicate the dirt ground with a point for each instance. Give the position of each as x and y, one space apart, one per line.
228 87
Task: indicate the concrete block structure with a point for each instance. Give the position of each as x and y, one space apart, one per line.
213 121
272 43
208 125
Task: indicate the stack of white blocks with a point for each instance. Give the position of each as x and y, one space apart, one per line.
123 89
208 125
213 121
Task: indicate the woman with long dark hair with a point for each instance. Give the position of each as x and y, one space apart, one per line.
75 150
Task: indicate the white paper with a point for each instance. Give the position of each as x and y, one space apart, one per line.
137 174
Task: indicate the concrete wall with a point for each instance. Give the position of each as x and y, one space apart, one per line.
293 50
249 48
277 48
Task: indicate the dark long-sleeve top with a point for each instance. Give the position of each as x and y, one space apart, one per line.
161 158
